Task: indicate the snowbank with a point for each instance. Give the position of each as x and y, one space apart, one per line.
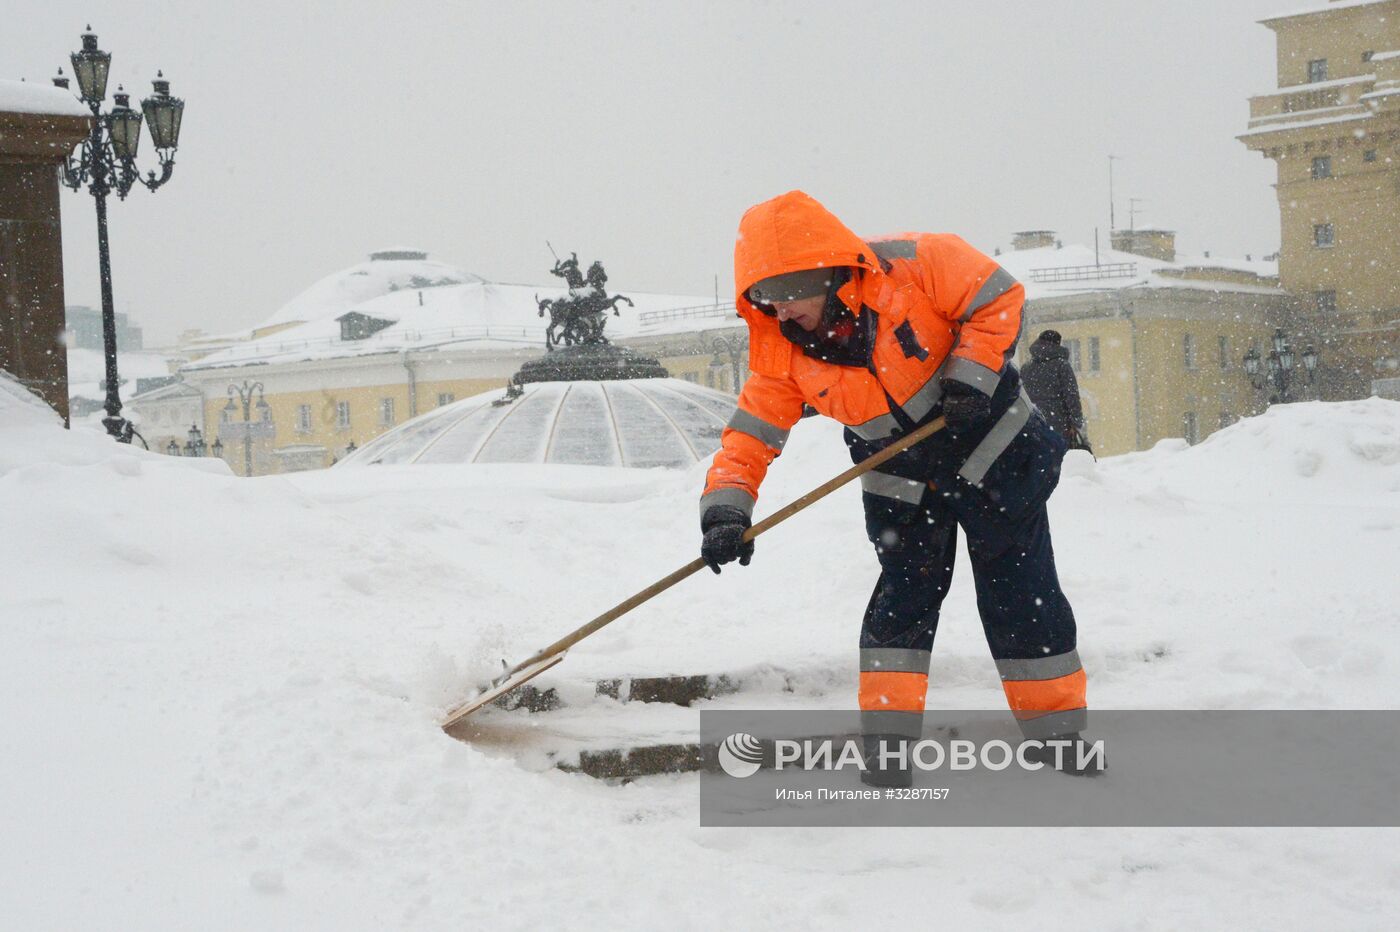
220 695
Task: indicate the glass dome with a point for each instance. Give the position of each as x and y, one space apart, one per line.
636 423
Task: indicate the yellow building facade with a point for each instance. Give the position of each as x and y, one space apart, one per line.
1155 363
306 415
1332 127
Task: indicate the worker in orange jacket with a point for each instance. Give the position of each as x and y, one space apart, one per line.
884 336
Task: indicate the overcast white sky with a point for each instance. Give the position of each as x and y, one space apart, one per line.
638 132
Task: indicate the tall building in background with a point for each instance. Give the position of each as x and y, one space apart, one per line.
1333 128
85 329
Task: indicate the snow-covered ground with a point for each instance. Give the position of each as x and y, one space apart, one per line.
220 695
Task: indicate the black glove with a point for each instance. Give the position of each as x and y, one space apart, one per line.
964 407
724 527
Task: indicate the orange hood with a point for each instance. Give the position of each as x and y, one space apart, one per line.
790 233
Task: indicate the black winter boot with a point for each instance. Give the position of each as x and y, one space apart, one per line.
1075 756
895 772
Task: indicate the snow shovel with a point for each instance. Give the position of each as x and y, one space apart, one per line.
547 657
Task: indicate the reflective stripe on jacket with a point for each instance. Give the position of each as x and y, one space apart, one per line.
942 309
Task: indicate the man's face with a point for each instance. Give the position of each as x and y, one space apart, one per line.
805 312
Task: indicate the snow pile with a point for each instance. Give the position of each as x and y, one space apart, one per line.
1312 451
31 433
219 696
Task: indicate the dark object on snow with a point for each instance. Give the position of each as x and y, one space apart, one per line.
1049 380
724 527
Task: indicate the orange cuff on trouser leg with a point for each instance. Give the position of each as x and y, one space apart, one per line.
892 703
883 691
893 683
1046 705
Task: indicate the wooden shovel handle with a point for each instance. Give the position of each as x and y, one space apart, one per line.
768 523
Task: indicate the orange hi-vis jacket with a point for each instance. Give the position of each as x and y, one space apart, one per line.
944 310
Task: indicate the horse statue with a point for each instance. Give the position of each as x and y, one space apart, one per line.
558 309
579 317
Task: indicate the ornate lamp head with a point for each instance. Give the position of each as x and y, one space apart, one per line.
124 124
91 66
163 114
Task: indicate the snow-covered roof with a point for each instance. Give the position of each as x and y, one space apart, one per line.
347 289
1329 7
632 423
87 368
1050 272
27 97
478 314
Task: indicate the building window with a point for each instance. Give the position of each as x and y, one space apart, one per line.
357 326
342 415
1223 344
1189 430
304 419
446 398
1326 302
1324 235
1322 167
1073 347
1317 70
1369 155
386 412
1093 354
1188 350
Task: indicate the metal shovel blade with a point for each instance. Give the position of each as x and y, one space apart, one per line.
500 687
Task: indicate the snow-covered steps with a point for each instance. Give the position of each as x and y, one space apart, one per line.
675 690
628 727
652 760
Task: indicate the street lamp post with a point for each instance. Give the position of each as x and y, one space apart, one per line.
106 163
195 445
721 346
245 395
1278 368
